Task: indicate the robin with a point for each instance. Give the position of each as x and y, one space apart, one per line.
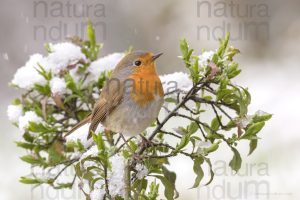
131 99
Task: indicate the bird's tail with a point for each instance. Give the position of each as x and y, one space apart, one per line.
81 123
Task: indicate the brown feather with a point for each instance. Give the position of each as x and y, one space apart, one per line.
111 96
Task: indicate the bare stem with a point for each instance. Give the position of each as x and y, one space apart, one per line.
127 181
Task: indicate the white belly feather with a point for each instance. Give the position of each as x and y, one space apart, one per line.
130 119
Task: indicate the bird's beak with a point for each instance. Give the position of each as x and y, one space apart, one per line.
156 56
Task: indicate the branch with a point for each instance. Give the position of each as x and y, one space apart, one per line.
170 133
189 94
63 169
172 154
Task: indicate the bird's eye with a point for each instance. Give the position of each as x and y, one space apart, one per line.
137 63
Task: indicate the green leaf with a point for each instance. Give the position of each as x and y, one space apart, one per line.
212 148
168 180
38 128
93 46
222 93
126 154
43 89
233 70
133 145
207 129
71 84
170 100
215 58
80 145
88 176
247 96
207 98
198 171
98 139
82 114
242 97
169 187
27 180
212 174
153 193
193 140
194 70
215 124
171 176
28 137
17 101
253 145
253 130
186 52
64 185
236 161
91 33
242 107
231 53
140 185
184 48
231 124
183 142
192 128
78 169
223 45
224 82
35 161
47 47
25 145
263 118
44 73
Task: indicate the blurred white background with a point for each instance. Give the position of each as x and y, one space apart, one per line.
267 33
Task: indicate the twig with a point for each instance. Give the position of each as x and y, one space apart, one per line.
63 169
106 181
206 126
127 181
217 115
172 154
190 110
125 143
170 133
119 138
225 113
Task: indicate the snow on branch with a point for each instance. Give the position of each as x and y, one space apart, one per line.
59 90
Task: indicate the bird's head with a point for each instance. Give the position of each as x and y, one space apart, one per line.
138 62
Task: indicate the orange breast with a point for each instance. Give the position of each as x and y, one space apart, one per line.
146 87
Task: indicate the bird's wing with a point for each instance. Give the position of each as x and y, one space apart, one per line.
81 123
111 96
